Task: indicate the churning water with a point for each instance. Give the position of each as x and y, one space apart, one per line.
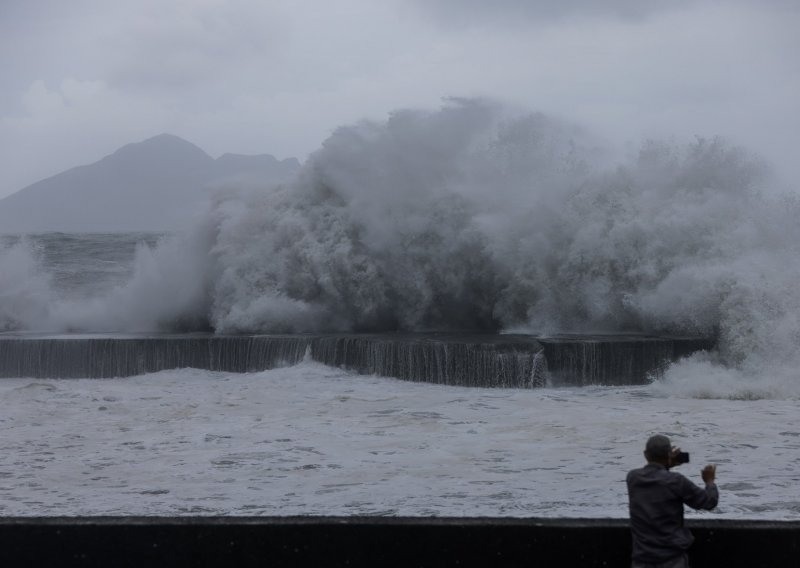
314 440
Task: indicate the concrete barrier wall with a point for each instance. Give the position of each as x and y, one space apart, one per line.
366 541
518 361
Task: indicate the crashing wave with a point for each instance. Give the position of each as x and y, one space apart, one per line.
474 217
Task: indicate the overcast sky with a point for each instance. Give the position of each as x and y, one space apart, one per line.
83 77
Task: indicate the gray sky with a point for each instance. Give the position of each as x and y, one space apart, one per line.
83 77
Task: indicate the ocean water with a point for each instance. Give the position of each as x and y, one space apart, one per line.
79 266
474 217
312 440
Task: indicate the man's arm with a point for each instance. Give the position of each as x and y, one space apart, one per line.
701 498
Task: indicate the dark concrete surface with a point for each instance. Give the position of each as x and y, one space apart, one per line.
517 361
372 541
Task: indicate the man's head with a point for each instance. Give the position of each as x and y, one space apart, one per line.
658 449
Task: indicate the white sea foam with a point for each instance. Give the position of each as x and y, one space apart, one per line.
311 440
167 291
25 288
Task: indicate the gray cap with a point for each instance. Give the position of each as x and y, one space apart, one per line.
658 446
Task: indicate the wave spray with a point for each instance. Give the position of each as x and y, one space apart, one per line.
478 218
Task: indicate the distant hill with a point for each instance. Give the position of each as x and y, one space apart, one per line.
154 185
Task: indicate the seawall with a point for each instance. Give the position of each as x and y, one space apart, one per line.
367 541
519 361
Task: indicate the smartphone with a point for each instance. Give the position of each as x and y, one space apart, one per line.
681 457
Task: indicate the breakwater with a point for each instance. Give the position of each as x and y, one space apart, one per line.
519 361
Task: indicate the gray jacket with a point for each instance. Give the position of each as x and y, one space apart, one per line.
656 497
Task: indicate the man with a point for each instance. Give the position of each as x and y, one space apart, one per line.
656 497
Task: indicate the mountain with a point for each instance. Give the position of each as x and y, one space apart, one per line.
154 185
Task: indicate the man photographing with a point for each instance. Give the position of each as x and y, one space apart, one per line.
656 497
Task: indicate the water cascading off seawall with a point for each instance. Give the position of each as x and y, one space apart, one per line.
518 361
579 360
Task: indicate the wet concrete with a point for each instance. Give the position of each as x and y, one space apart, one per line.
518 361
373 541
